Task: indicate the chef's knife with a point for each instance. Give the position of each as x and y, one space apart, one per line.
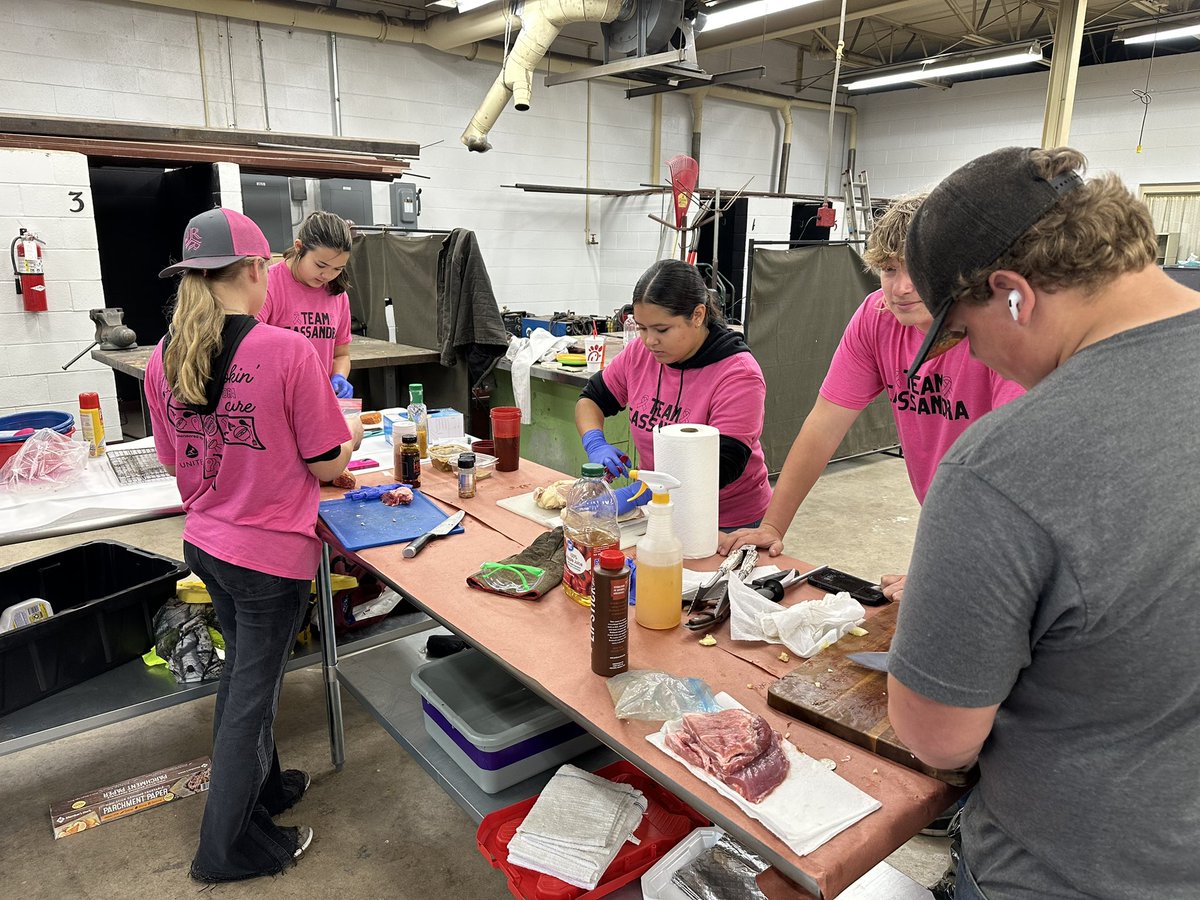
877 661
414 547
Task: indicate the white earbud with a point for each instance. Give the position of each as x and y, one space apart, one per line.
1014 303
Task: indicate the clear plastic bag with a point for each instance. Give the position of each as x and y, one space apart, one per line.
47 460
659 696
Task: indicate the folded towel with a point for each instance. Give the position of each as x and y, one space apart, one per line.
577 826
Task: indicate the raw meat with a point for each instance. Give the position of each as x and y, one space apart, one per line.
345 481
401 496
734 746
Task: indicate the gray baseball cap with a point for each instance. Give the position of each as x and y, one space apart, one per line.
968 222
218 238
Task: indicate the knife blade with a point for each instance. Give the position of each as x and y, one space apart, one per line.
874 660
412 548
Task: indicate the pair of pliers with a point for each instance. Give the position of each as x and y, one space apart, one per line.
712 599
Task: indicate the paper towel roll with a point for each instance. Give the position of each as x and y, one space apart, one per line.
692 453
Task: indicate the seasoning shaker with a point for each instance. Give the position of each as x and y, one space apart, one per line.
466 475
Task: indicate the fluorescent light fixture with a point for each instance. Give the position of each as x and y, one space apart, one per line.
466 6
723 17
948 66
1165 29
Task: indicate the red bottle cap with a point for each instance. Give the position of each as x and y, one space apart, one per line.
89 400
612 559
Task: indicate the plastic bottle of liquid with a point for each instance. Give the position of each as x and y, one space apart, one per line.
589 526
659 558
610 614
629 331
91 420
419 416
410 461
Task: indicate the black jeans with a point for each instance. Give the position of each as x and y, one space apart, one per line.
259 615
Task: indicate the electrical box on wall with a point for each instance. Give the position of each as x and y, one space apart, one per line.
406 204
349 198
267 200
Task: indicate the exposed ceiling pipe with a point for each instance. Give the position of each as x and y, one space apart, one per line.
541 22
697 120
785 150
459 35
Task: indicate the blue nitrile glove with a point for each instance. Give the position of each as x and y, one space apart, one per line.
341 387
372 493
602 452
628 498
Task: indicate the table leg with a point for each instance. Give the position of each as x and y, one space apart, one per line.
329 661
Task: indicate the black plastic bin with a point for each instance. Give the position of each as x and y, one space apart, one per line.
104 595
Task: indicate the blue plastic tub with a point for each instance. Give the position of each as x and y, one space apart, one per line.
62 422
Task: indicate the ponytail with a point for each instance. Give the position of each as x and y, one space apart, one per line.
196 326
678 288
323 229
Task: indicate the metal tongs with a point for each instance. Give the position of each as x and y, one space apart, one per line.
711 605
770 586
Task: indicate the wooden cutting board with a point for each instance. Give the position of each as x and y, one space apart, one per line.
848 701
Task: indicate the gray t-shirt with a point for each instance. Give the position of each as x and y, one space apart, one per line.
1057 573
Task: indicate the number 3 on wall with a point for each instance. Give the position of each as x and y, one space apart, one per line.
77 201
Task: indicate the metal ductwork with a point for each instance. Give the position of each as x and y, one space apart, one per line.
541 22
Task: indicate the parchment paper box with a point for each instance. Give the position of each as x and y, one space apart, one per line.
136 795
496 729
444 424
104 595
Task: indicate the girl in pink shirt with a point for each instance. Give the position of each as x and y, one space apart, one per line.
244 419
687 367
306 292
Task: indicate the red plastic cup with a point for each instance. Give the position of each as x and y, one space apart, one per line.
506 435
488 447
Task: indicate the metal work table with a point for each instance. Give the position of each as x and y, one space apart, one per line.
365 353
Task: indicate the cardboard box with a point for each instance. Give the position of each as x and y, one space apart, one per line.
126 798
445 425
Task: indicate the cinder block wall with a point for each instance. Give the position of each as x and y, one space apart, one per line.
49 193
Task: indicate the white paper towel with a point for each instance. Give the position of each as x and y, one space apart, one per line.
692 453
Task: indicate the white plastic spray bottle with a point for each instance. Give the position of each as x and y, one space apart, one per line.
659 557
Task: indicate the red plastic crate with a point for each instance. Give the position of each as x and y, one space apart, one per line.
667 821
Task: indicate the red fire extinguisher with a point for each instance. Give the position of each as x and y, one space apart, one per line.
26 254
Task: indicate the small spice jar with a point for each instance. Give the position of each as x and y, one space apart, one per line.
410 460
466 475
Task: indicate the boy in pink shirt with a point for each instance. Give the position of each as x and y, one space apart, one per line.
687 367
306 292
876 348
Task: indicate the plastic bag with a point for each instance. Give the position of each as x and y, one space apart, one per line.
47 460
659 696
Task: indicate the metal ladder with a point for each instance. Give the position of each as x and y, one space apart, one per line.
860 218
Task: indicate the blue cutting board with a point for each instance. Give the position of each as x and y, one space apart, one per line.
360 524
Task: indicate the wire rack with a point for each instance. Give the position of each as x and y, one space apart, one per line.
136 466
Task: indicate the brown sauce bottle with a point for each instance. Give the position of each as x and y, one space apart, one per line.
610 614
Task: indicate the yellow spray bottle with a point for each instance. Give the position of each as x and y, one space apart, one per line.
659 557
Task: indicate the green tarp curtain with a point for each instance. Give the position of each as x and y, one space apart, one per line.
801 299
404 268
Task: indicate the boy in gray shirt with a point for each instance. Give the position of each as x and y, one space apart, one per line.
1049 628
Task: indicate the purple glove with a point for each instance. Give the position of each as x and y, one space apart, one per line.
372 493
604 453
341 387
628 498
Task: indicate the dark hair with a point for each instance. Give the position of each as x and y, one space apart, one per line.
324 229
677 288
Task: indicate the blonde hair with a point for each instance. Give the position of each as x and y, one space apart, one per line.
323 229
196 325
1092 235
886 241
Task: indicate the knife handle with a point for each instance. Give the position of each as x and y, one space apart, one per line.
412 548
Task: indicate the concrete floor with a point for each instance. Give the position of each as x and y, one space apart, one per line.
383 827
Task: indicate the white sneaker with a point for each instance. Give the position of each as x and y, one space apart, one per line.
304 836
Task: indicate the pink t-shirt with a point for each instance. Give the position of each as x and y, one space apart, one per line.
953 389
727 394
250 498
321 317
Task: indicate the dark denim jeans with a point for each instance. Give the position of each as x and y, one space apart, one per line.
965 887
259 615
